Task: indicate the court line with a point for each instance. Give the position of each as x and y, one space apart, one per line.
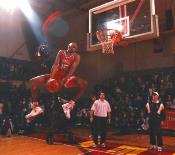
45 141
91 150
85 152
88 150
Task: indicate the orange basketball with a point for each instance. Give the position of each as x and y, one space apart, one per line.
116 38
52 85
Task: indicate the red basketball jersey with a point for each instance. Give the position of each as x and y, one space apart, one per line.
66 61
64 65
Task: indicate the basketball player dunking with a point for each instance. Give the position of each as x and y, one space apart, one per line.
62 71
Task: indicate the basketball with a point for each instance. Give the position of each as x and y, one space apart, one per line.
117 38
52 85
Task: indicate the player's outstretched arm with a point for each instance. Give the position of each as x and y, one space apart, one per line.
72 68
55 65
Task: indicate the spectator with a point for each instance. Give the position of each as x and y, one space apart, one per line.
154 109
142 123
1 116
7 125
101 115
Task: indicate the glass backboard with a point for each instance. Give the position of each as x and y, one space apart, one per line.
135 19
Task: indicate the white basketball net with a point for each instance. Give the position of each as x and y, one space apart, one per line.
107 47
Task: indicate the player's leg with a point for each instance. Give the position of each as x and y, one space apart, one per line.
71 83
36 111
35 83
75 81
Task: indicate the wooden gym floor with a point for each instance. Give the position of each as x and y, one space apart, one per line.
135 144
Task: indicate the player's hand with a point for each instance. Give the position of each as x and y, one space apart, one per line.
109 121
162 122
158 115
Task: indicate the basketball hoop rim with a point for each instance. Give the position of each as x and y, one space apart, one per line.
104 37
103 30
109 30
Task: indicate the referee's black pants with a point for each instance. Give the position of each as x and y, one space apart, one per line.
155 131
99 129
58 121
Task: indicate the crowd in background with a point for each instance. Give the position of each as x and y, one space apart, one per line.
127 94
12 69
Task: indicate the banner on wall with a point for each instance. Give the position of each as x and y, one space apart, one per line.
169 122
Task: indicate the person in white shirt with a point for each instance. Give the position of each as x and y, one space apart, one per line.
100 116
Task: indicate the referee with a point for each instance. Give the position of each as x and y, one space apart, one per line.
100 115
154 109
